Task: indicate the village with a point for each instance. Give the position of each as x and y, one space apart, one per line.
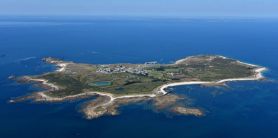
126 68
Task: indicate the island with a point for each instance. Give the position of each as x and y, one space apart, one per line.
115 85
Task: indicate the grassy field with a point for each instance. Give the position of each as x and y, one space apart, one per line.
80 77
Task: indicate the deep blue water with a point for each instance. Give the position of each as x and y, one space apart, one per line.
244 109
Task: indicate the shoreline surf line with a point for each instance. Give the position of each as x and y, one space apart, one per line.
257 76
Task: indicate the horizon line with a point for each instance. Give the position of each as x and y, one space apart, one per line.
143 16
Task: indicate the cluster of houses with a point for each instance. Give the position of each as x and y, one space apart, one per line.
121 69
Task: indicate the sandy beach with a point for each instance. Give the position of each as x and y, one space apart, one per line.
258 75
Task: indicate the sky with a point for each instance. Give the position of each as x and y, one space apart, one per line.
252 8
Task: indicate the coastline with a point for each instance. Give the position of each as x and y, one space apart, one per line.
111 96
161 91
106 103
157 92
257 76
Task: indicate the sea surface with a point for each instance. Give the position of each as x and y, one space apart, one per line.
240 110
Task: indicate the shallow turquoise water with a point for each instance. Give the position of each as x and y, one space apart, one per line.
101 83
243 109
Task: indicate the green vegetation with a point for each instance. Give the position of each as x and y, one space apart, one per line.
122 79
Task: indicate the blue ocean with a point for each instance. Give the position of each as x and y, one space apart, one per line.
240 110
